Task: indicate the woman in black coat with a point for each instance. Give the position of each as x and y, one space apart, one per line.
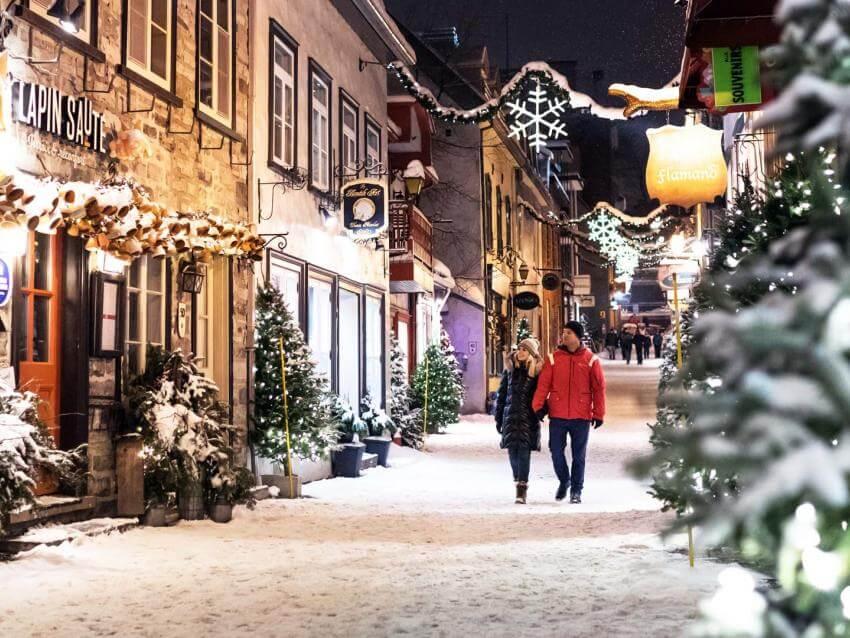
515 419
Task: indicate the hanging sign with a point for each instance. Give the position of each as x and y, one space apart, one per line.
527 300
72 119
364 207
551 281
5 282
587 301
737 76
581 284
685 165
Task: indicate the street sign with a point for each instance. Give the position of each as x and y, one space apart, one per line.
581 285
737 76
527 300
587 301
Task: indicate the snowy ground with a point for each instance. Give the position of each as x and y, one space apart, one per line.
431 547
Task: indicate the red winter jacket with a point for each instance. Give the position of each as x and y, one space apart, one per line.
573 388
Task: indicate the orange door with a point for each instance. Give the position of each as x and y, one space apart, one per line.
39 363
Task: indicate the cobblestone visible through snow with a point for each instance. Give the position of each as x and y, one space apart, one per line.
433 546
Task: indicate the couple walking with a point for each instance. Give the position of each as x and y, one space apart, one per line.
570 386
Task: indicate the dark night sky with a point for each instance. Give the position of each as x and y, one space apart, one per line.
632 41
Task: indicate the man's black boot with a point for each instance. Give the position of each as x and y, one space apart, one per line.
575 497
561 494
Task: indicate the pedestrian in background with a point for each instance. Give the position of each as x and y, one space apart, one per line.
640 337
626 342
515 418
647 343
612 340
658 341
572 389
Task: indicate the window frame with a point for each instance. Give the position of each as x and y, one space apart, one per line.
344 285
315 71
500 241
487 206
319 274
277 33
203 109
143 291
371 123
295 266
378 295
144 76
345 100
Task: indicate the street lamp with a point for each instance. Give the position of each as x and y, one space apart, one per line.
523 271
192 277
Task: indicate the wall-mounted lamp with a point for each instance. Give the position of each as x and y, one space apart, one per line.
192 277
523 271
329 219
69 13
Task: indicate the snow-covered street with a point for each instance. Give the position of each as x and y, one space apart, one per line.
433 546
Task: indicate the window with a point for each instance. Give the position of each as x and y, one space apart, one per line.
373 146
375 347
320 323
349 347
423 326
487 207
320 132
283 67
403 337
85 31
286 277
150 27
145 310
500 246
509 231
215 57
348 135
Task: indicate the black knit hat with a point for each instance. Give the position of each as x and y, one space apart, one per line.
576 327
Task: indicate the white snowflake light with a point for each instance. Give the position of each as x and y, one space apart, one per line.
605 232
537 118
627 260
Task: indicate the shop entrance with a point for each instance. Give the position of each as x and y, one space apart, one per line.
39 335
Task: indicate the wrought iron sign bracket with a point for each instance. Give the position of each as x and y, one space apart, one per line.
280 238
362 64
291 179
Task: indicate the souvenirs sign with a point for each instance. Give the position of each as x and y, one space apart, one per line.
364 207
527 300
737 76
685 165
72 119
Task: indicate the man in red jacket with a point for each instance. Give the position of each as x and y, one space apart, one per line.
572 387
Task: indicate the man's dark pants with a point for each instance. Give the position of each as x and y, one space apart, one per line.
578 430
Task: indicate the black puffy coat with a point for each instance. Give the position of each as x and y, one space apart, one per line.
515 419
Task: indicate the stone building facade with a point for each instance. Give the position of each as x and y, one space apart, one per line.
177 74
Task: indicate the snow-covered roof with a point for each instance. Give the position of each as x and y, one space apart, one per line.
442 274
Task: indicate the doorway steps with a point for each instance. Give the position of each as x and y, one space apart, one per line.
52 535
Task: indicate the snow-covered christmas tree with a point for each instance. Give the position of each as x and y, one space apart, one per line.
776 416
523 330
407 419
311 427
438 386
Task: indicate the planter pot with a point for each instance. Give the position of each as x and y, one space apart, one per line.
46 482
190 501
154 516
379 445
281 482
346 460
221 512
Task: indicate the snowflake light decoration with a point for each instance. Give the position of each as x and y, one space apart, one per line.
627 261
605 232
537 118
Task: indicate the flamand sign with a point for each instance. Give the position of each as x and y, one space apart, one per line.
73 119
364 207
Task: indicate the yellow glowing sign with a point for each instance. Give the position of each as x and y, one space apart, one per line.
685 165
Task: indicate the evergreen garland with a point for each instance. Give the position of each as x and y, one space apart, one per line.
311 426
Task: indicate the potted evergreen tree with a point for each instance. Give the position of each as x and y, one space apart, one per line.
348 455
234 487
437 386
406 418
312 430
380 428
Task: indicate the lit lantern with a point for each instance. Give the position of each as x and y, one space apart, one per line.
685 165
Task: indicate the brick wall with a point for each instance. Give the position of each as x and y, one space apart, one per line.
179 174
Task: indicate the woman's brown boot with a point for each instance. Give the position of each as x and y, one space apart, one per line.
521 492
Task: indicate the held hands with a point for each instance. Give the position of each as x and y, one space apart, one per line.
540 414
597 423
